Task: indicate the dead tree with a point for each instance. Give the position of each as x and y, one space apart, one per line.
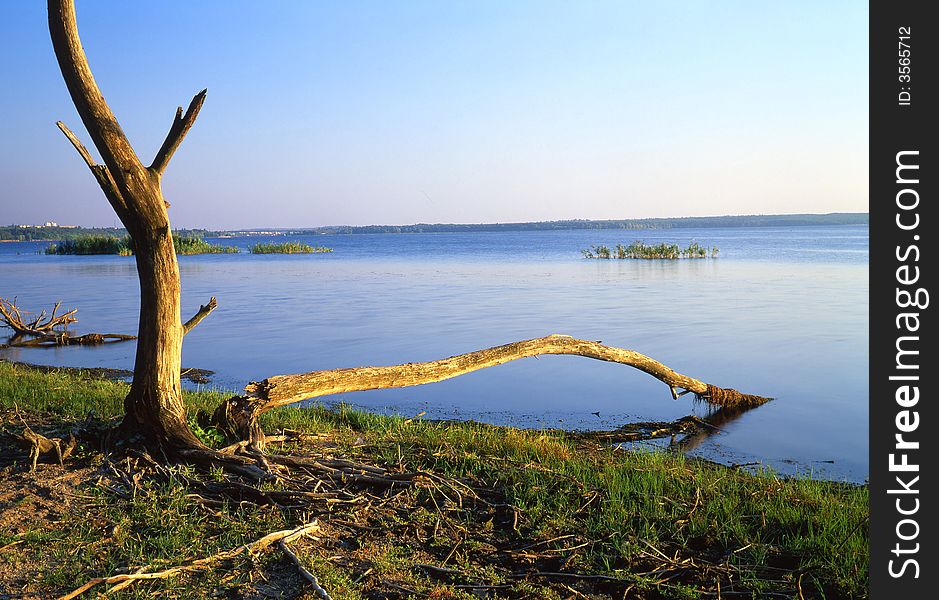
154 410
154 407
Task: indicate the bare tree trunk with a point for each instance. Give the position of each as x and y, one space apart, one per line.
238 416
154 408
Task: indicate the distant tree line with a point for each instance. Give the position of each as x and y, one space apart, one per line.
57 234
800 220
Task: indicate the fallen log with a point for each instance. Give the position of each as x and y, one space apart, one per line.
48 340
237 416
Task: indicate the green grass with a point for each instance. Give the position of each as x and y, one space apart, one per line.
103 244
640 250
628 505
287 248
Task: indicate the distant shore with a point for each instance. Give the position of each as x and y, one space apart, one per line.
16 233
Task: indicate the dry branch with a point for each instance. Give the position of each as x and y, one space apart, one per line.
197 565
238 416
13 317
178 130
202 313
39 333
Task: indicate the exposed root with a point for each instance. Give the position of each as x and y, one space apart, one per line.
38 444
304 572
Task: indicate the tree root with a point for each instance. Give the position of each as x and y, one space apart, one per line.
38 444
304 572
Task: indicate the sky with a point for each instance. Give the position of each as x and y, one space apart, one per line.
372 112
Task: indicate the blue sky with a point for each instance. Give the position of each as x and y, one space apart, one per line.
372 112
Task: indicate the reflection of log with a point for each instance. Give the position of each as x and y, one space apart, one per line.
714 422
13 317
239 415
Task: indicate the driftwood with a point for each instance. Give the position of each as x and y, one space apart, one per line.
14 317
238 416
201 564
38 444
48 340
40 333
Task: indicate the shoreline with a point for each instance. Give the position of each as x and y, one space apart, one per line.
499 510
685 432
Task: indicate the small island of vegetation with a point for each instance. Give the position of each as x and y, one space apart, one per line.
92 244
640 250
123 246
287 248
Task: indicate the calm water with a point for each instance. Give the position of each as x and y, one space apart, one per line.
783 312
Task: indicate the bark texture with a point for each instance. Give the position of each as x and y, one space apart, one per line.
238 416
154 407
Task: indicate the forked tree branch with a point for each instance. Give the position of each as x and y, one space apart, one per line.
178 130
203 312
102 125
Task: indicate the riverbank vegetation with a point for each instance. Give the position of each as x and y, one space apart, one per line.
123 246
287 248
504 512
640 250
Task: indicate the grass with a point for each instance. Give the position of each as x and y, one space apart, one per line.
640 250
287 248
575 505
103 244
